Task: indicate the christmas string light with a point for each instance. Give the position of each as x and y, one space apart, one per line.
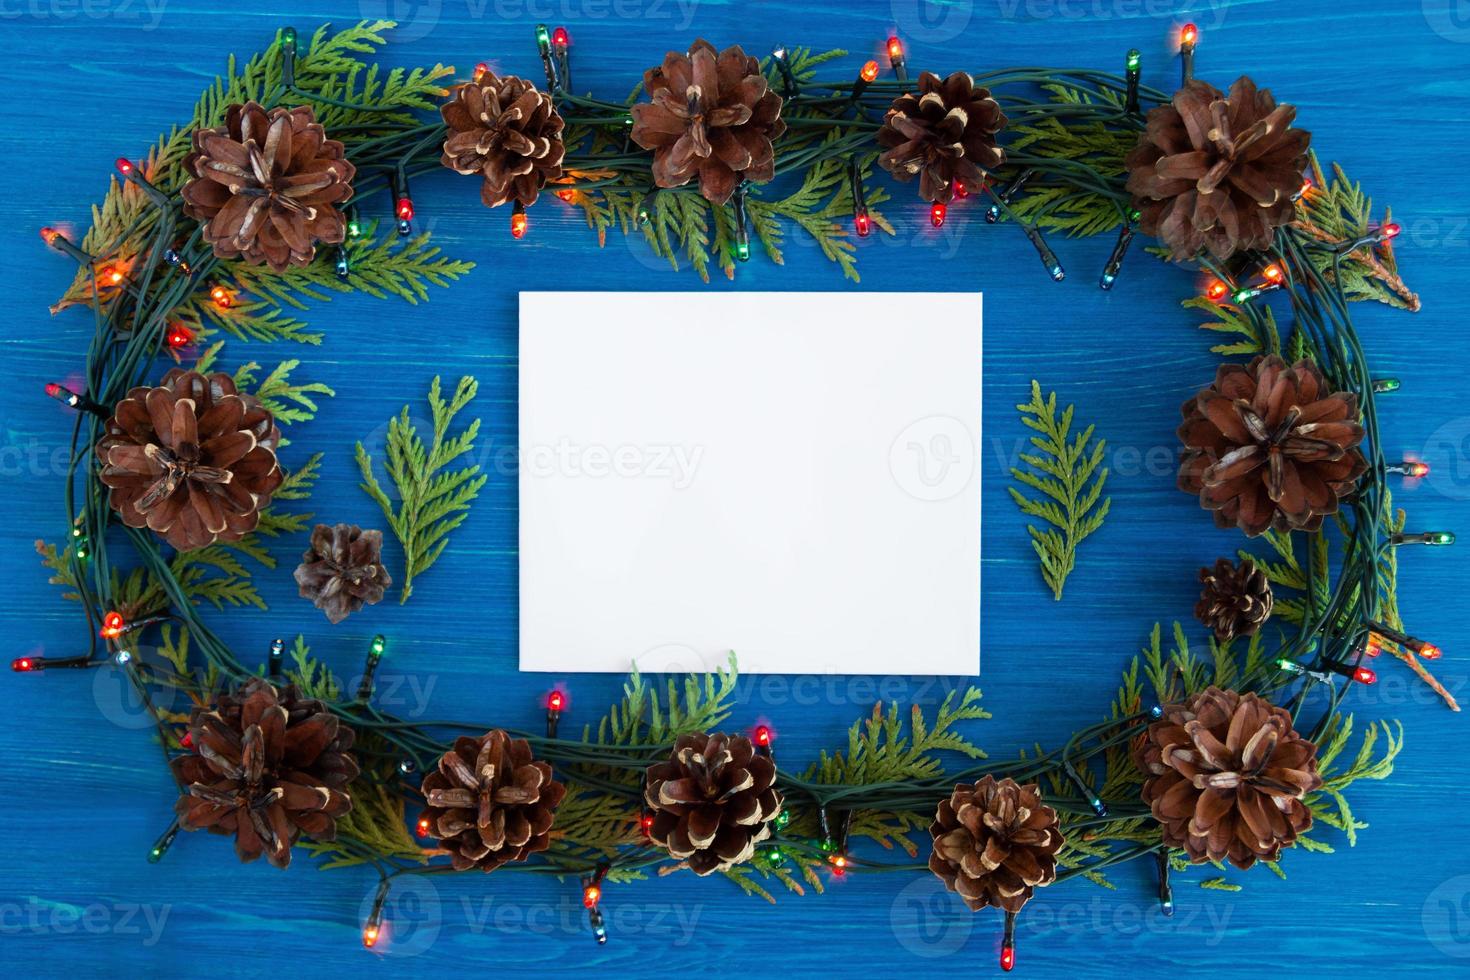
354 223
761 735
373 928
866 76
789 87
178 336
340 264
591 897
71 399
555 701
561 46
1166 891
543 45
742 231
896 59
277 655
288 57
861 222
518 221
173 258
402 202
1044 252
937 213
1385 233
370 667
1385 386
1093 800
1217 291
1436 538
1409 467
164 842
1188 39
61 243
130 174
221 296
1134 72
1361 674
1115 260
1008 944
1423 648
1004 197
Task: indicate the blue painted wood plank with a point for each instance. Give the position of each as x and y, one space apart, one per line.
1382 88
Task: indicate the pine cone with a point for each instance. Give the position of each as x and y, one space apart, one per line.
709 116
1226 774
343 570
193 459
268 185
1236 599
490 803
944 132
713 801
507 130
1268 446
268 766
1216 172
995 843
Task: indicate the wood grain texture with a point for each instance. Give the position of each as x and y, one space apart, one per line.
1382 87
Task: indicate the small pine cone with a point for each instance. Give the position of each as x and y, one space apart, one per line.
1235 600
268 186
267 767
506 130
193 459
944 132
1226 775
343 570
1216 172
995 843
490 803
713 801
1271 446
711 116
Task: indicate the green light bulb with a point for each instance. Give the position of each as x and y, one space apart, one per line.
1135 58
1441 537
742 251
378 644
1382 386
542 37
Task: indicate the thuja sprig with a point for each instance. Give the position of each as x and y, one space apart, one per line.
1067 473
432 499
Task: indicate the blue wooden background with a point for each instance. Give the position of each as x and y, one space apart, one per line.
1382 87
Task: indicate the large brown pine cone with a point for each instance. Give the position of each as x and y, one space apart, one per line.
193 459
268 185
995 843
710 116
1235 600
268 766
1217 172
490 803
343 570
1270 446
944 132
713 801
1226 774
506 130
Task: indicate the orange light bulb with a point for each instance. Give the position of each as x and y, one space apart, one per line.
869 72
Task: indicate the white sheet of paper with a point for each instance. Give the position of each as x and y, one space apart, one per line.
789 476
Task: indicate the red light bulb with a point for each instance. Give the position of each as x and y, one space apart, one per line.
52 389
179 336
1364 675
1390 230
590 895
24 665
937 211
646 823
895 47
518 225
870 71
1007 958
555 701
960 191
422 826
112 626
762 735
560 37
404 209
49 235
188 740
110 276
124 166
1189 36
481 69
863 223
1217 291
